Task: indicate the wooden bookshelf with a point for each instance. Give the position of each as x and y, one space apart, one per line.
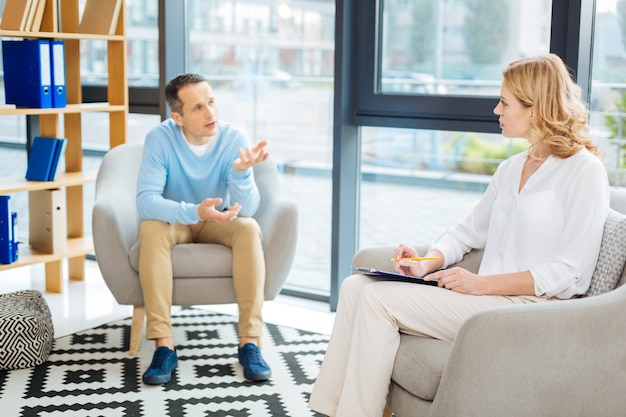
61 21
66 179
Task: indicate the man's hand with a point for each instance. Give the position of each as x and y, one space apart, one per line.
207 211
250 157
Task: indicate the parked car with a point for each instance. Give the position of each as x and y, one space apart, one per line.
410 83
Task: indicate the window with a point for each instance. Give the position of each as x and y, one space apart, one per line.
417 183
437 63
270 64
608 89
457 47
419 67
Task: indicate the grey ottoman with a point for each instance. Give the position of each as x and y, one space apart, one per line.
26 330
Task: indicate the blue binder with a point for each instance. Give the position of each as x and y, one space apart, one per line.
27 73
6 231
16 252
59 150
41 159
57 59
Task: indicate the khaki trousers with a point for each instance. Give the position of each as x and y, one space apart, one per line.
354 377
242 235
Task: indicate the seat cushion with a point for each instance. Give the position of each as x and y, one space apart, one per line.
195 260
419 365
26 330
612 255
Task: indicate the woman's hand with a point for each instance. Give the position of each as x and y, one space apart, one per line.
459 280
415 268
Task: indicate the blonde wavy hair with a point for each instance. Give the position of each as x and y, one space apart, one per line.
560 118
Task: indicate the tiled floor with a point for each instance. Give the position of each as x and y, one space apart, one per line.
89 303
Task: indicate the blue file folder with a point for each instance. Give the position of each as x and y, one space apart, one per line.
6 231
41 160
27 73
57 59
59 150
16 252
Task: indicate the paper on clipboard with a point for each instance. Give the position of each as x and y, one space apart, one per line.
392 276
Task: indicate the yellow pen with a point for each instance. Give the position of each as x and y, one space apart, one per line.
414 259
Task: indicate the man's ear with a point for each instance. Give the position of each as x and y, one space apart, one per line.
177 118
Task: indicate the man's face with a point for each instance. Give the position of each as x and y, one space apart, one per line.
199 114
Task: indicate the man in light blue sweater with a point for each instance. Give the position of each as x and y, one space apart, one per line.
196 184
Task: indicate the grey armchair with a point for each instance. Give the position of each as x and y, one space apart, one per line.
115 224
565 358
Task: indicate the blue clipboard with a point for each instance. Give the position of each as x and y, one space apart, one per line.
391 276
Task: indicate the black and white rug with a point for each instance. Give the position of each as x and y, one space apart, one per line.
91 374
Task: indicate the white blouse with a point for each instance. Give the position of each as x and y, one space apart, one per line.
553 227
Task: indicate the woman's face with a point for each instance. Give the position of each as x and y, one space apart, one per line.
515 118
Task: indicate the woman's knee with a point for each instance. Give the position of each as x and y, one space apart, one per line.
352 286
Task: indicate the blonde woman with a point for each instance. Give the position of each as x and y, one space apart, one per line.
540 223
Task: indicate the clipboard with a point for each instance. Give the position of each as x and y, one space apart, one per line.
391 276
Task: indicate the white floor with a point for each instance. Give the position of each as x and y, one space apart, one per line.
89 303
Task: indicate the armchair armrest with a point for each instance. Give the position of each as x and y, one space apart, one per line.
378 257
553 358
278 218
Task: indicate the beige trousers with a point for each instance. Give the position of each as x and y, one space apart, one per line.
242 235
354 377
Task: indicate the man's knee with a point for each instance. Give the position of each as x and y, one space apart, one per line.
248 228
149 229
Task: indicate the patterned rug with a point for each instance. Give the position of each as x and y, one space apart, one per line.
91 374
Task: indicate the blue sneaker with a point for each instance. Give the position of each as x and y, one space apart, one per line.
254 367
163 363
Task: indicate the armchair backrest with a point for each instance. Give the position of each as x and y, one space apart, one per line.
115 224
618 203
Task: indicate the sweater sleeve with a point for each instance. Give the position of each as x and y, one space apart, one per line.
243 190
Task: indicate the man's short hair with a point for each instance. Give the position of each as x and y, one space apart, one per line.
175 84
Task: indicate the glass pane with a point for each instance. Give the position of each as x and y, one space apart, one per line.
142 48
457 47
608 89
431 179
12 128
270 64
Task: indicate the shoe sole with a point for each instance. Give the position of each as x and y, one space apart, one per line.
260 376
159 380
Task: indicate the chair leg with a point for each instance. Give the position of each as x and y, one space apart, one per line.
387 412
136 326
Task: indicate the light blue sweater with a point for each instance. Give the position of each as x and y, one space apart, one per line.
173 180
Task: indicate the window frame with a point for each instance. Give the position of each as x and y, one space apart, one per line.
440 112
357 51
